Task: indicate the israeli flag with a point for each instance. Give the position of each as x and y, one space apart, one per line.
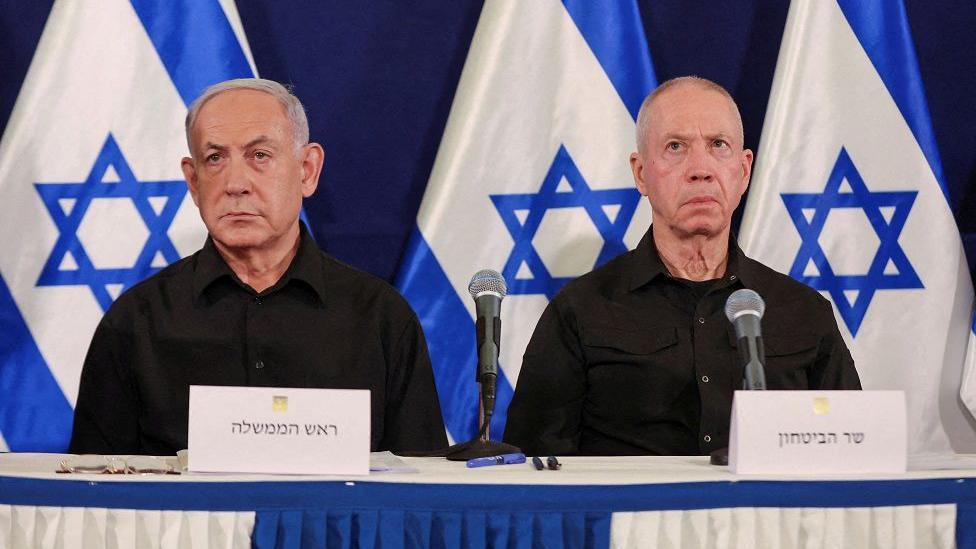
94 199
531 179
848 197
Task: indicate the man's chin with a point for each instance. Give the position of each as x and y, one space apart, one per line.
239 239
703 227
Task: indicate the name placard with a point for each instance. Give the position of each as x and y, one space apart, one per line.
269 430
818 432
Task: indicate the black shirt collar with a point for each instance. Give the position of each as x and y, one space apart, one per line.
646 264
305 267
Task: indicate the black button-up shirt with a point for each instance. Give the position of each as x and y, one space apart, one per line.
323 325
628 360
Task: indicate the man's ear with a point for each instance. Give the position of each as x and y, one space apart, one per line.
190 175
747 158
313 158
637 167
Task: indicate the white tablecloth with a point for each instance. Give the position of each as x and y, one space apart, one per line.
663 502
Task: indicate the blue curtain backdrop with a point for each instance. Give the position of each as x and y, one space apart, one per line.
378 79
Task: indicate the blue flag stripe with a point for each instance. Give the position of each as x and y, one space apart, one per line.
613 30
882 29
195 41
34 414
450 337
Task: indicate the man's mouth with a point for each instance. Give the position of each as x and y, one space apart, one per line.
237 215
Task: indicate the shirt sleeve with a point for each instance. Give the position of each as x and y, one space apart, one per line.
413 419
834 368
544 417
107 413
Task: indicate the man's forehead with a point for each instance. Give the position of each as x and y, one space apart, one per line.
688 106
685 92
248 111
241 96
241 106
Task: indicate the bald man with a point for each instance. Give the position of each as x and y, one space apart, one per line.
637 357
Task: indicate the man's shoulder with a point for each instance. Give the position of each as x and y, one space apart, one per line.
131 301
600 283
178 272
780 291
359 286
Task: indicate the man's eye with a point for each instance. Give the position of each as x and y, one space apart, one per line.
215 157
260 155
674 146
720 143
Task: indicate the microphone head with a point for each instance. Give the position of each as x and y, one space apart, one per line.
744 302
487 281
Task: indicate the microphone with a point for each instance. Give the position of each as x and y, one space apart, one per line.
488 288
745 309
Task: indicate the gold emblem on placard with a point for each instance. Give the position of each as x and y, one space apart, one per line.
279 403
821 406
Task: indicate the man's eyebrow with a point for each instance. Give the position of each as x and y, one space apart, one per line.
685 136
215 146
677 135
259 140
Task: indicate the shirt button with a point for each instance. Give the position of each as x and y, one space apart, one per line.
259 364
701 320
257 300
732 277
704 379
708 438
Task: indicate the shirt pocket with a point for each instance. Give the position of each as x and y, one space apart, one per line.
789 360
613 345
632 375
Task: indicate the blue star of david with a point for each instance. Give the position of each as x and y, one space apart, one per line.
888 232
69 219
536 204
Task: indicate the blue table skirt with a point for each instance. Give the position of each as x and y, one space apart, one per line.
378 514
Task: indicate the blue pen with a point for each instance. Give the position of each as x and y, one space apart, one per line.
503 459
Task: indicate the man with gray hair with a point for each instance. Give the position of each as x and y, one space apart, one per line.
260 305
637 357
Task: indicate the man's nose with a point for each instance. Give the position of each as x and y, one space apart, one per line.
238 177
699 167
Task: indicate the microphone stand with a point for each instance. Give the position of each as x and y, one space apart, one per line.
482 445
